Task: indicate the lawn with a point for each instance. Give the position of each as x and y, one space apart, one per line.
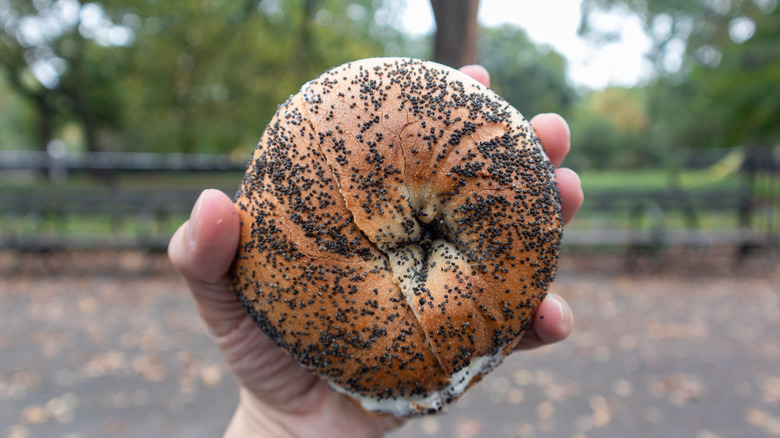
645 198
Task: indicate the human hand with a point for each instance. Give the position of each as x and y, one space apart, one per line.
277 396
553 132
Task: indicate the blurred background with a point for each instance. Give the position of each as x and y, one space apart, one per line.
114 115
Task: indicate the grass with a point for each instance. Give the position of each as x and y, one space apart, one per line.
645 180
122 221
93 225
639 183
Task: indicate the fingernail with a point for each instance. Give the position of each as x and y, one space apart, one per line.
577 176
566 124
567 319
191 225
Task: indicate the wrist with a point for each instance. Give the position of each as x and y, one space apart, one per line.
334 418
252 420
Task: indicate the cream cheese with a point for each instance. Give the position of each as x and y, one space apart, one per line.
433 401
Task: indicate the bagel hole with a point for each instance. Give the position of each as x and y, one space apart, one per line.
430 232
412 256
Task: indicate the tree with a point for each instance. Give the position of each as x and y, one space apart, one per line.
17 128
668 23
455 41
715 62
531 78
55 55
15 49
220 69
607 125
177 76
732 90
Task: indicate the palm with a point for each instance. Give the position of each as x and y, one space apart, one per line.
279 381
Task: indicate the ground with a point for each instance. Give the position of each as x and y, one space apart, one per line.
683 344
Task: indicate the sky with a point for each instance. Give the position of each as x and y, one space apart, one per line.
555 22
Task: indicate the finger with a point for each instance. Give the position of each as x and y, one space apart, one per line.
553 323
202 250
572 196
477 72
553 132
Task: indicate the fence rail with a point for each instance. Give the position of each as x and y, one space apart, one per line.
92 219
106 217
120 161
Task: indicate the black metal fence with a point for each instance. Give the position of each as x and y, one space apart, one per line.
674 217
649 224
104 214
92 218
119 161
111 216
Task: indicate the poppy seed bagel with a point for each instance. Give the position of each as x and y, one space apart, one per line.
400 224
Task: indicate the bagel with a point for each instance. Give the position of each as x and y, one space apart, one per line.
400 224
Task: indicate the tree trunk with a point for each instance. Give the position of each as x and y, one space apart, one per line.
455 43
45 125
44 121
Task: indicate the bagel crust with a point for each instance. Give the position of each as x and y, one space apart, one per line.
399 227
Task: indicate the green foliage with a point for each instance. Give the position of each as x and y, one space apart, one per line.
531 78
54 56
723 88
221 68
16 128
203 76
608 130
207 76
734 99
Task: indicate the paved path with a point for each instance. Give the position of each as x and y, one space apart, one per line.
109 345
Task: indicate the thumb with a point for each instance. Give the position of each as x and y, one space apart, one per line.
202 250
553 323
